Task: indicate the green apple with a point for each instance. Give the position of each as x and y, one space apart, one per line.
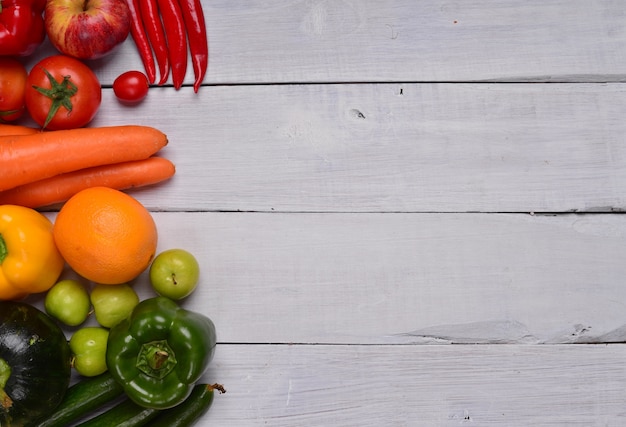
68 302
174 273
89 347
113 303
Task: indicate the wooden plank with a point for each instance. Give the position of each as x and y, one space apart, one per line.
384 40
438 386
405 278
389 147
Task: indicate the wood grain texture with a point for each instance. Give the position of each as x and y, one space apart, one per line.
410 40
407 278
389 147
433 386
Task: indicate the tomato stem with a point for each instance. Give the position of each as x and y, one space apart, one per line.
60 94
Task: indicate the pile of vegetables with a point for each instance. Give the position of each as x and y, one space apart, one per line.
168 30
139 362
47 165
147 380
142 362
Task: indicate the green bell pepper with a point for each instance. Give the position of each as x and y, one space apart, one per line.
159 352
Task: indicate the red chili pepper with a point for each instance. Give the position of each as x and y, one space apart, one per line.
21 26
138 32
156 34
176 39
197 35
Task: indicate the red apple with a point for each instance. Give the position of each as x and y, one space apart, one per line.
87 29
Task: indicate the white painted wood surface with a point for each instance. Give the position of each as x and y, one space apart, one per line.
408 213
442 386
269 41
391 147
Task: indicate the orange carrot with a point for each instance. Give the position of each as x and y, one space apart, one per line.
30 158
59 188
8 129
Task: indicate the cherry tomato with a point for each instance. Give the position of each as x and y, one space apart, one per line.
62 93
12 86
131 87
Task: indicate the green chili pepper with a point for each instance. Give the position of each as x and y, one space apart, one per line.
159 352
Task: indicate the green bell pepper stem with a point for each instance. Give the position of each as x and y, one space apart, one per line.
160 351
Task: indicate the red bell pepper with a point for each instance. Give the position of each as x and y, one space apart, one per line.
21 26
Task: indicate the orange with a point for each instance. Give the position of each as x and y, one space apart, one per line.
105 235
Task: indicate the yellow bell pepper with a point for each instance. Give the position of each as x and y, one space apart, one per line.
29 259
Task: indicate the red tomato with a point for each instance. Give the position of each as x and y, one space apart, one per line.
131 87
69 97
12 86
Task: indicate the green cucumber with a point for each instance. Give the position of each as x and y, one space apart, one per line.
188 412
125 414
81 398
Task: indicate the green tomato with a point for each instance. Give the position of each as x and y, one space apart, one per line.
174 273
113 303
68 302
89 347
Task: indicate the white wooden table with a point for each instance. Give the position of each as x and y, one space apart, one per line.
408 213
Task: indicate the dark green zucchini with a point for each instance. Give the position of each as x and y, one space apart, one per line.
35 365
124 414
82 398
188 412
